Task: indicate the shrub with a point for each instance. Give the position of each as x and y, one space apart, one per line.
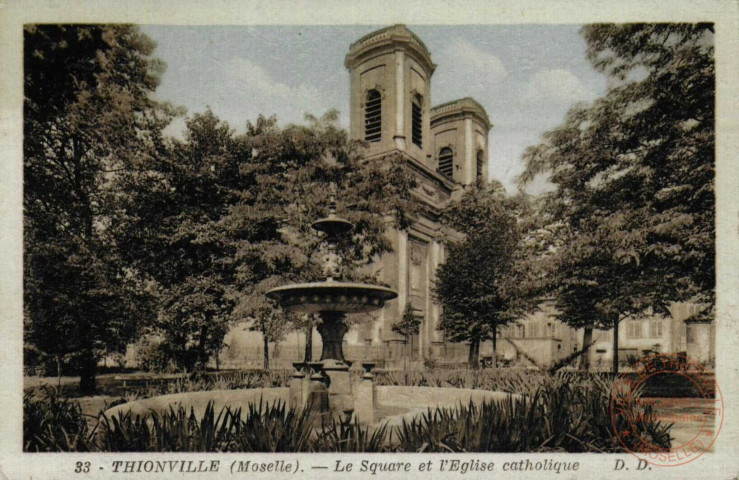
561 415
54 424
567 412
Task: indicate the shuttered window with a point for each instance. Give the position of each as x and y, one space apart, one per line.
655 329
373 117
417 120
634 329
446 161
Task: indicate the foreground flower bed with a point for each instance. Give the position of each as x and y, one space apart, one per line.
560 414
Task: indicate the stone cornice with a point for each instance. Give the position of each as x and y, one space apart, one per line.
460 108
387 40
443 181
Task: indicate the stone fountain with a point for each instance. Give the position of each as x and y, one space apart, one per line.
330 389
326 386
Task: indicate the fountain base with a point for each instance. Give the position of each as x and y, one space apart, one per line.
332 330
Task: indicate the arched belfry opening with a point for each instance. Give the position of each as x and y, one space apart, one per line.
373 116
446 162
480 164
417 120
463 126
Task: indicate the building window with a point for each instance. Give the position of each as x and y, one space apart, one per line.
373 117
633 329
655 329
446 161
480 164
417 120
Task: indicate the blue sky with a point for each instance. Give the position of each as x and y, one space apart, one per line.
526 76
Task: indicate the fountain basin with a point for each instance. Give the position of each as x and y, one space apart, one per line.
394 404
331 296
198 401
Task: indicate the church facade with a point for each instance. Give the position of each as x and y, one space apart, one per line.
446 147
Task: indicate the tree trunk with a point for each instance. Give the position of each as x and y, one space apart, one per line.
495 347
474 359
58 373
266 351
202 351
614 368
87 373
587 339
308 343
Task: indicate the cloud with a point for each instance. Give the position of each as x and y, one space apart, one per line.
239 90
472 66
250 87
556 86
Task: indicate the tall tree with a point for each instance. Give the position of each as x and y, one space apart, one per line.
481 285
294 171
88 116
408 326
175 234
634 177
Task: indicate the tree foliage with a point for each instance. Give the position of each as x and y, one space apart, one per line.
633 176
221 218
174 234
483 283
292 173
408 326
87 117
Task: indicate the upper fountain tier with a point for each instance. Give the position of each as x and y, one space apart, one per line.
331 295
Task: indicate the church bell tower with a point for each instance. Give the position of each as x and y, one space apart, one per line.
390 94
390 72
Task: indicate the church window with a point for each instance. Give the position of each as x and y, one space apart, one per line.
417 120
373 117
446 161
480 164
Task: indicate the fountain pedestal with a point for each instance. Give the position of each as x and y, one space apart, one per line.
296 390
340 396
332 331
364 403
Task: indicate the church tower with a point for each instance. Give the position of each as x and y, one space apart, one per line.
390 92
459 142
390 73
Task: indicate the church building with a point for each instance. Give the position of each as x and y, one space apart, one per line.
445 146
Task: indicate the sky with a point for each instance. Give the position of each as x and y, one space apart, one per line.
526 76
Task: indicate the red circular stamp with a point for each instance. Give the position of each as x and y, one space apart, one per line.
666 409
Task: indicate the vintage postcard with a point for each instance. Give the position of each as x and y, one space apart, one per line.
398 240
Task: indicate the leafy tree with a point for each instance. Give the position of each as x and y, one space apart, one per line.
482 285
633 176
408 326
292 172
175 235
268 319
88 117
